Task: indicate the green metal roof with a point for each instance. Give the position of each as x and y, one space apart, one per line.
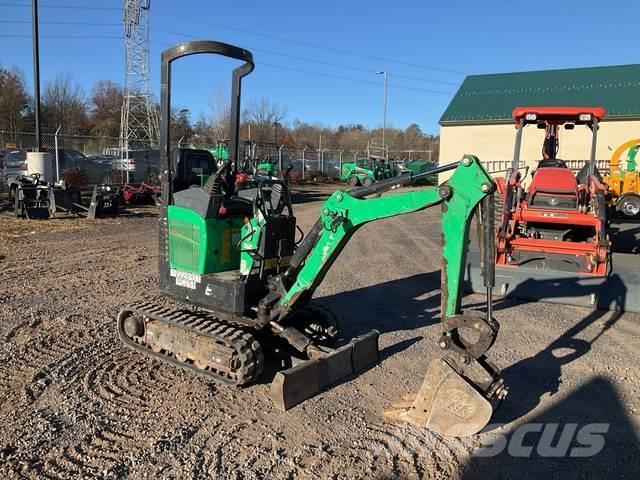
492 98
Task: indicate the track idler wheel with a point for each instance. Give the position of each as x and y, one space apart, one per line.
462 387
133 326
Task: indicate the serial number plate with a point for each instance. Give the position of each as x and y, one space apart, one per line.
185 279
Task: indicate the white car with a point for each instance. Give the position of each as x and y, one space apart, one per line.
15 165
124 164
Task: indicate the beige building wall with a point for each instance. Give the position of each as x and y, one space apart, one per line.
494 144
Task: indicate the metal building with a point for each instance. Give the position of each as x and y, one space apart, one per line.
478 119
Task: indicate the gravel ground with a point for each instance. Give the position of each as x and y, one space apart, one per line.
74 403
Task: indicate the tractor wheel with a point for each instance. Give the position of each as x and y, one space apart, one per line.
628 206
353 181
367 181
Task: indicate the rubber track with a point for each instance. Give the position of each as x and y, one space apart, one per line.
248 349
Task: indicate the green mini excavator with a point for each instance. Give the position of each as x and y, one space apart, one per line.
233 258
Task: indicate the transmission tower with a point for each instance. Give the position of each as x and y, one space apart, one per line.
139 120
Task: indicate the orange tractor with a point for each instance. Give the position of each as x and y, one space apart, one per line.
558 221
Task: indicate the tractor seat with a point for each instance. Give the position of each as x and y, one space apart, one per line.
558 180
552 163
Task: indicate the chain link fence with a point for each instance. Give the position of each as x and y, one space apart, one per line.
88 159
99 159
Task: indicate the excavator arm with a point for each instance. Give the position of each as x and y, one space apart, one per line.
463 366
342 215
345 212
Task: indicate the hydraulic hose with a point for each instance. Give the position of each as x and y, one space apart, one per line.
400 181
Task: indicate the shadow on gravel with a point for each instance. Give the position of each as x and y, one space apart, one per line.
306 196
137 211
390 306
534 377
557 441
595 402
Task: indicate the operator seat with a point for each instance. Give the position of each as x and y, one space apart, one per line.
552 163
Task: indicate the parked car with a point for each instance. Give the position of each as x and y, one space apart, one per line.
15 165
67 157
97 168
143 164
3 152
124 164
106 159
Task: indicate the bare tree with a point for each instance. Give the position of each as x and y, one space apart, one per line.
64 104
181 123
106 103
14 99
263 114
220 115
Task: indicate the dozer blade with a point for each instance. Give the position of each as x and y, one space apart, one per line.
300 382
447 403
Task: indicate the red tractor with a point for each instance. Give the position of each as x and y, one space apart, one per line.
559 220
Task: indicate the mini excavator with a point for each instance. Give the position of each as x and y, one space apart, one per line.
233 259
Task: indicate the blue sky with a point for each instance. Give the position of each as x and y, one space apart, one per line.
451 36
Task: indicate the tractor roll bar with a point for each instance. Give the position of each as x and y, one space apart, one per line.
594 143
515 163
193 48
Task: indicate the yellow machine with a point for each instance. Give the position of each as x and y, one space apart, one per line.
624 180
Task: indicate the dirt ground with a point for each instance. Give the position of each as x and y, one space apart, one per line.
74 403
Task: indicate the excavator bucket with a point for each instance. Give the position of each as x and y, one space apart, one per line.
446 403
461 388
309 377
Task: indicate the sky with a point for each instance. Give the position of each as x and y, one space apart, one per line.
319 60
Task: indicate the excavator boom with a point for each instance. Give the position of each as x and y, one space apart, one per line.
464 373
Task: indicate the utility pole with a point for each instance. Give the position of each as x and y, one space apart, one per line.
384 115
36 70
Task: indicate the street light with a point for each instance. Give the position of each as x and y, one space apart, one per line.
384 117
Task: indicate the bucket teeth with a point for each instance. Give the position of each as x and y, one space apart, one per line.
300 382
